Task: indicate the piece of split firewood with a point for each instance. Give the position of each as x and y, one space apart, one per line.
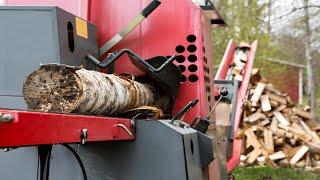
254 155
258 92
264 123
265 103
272 89
302 113
274 125
255 117
268 141
280 99
243 158
252 138
282 120
299 154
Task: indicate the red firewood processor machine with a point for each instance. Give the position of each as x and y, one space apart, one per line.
167 42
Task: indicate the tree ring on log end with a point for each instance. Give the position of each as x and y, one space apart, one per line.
52 88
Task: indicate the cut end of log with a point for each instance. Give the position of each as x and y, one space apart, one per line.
52 88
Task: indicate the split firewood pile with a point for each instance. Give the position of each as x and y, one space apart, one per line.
239 61
275 132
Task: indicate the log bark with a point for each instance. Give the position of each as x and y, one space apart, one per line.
64 89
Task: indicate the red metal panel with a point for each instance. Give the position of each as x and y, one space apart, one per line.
111 17
241 98
226 61
168 28
207 61
34 128
77 7
159 34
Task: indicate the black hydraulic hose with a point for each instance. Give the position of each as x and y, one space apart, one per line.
47 165
76 155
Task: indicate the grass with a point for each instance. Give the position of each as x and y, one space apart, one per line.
268 173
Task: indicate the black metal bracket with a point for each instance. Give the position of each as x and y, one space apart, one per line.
231 86
184 110
160 70
136 60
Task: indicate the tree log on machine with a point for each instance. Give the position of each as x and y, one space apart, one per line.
64 89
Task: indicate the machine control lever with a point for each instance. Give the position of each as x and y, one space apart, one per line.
184 110
223 93
205 122
150 8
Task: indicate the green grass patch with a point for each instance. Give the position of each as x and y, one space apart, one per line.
268 173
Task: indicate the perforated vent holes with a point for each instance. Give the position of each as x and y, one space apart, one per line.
188 68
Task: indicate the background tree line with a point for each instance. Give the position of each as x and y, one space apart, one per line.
287 30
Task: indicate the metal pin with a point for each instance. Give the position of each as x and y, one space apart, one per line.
83 136
6 118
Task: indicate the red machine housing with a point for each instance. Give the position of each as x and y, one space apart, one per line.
177 27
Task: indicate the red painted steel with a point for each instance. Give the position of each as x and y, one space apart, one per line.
225 64
226 61
34 128
160 34
241 98
77 7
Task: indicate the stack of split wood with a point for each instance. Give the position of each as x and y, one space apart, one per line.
275 132
239 61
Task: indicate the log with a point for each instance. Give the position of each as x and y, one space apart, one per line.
278 155
299 154
252 138
268 141
302 113
265 103
274 125
278 98
258 92
64 89
282 120
255 75
254 155
274 103
238 77
270 88
255 117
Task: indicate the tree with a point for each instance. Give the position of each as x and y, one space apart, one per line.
245 22
311 86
